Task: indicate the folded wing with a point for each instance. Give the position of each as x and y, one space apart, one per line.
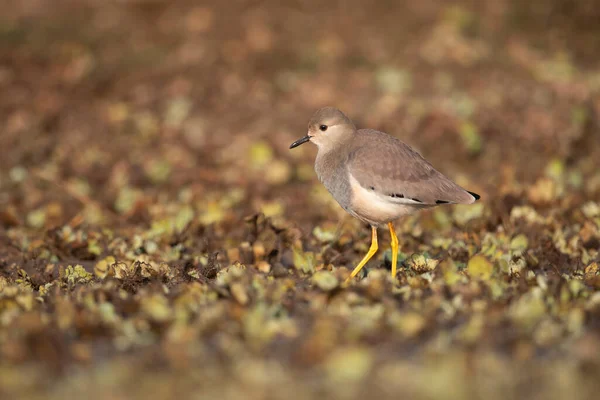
392 169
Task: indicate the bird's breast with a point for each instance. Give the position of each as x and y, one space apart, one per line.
333 174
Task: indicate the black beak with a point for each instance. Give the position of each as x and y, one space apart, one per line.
300 141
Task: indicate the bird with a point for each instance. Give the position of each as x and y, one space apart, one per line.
376 177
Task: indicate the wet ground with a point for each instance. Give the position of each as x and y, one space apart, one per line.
159 240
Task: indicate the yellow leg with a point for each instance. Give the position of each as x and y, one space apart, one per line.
367 257
394 248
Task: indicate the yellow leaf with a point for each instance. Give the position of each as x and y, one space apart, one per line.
479 267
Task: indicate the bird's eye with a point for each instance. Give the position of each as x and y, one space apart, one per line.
323 128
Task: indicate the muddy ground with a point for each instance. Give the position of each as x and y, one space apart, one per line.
159 240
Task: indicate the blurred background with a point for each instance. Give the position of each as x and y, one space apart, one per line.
141 98
119 115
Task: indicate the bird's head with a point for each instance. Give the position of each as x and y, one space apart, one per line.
328 127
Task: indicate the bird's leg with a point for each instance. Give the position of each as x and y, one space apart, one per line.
367 257
394 248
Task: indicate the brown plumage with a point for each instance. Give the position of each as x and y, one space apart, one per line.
398 169
375 177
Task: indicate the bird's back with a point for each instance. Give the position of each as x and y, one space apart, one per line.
386 165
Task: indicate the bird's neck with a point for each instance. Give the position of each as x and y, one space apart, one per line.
329 161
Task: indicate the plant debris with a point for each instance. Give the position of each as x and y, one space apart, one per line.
158 239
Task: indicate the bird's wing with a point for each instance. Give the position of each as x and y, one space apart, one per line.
391 168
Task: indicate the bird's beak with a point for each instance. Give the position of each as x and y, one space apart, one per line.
300 141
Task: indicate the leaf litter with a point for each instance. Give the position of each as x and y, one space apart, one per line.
158 239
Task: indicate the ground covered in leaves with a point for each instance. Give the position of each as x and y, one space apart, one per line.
158 239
